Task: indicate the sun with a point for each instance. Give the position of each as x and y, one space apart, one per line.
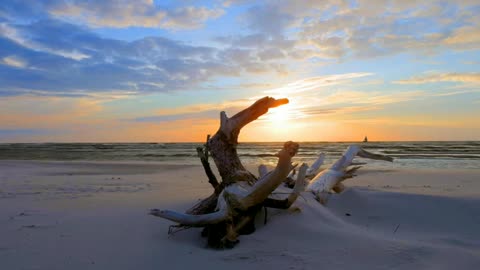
277 123
280 123
278 116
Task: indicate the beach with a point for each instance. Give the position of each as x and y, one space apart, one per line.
94 215
341 135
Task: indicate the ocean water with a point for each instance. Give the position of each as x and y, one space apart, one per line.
430 155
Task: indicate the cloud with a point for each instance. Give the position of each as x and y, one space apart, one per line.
372 98
190 17
349 102
46 55
197 111
443 77
339 94
301 29
268 19
14 61
114 13
144 13
40 111
65 58
365 29
272 53
316 83
13 35
466 37
309 98
180 116
458 92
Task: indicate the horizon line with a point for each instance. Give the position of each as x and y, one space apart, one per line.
169 142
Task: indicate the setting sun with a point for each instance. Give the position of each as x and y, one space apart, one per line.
278 116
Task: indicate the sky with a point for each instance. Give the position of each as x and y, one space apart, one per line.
161 71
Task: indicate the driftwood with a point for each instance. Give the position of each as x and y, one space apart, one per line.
292 177
232 207
235 201
322 183
331 178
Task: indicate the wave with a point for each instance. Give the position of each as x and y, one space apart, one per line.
444 156
167 155
431 153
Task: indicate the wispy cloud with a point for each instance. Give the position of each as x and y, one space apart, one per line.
371 97
38 112
465 37
349 102
14 61
179 116
143 13
309 98
473 77
86 63
116 13
457 92
13 34
315 83
197 111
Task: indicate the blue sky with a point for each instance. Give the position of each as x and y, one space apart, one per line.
162 70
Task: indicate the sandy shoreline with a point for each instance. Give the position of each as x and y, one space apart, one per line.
84 215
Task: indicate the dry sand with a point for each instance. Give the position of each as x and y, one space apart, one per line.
56 215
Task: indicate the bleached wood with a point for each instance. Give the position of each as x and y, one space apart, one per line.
326 180
191 220
262 170
315 167
300 184
349 155
244 197
311 171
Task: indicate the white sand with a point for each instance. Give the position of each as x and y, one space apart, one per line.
56 215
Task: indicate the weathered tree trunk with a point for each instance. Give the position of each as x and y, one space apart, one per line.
231 209
223 145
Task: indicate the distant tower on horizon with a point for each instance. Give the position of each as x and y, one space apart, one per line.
366 139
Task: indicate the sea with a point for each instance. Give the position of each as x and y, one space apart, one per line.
424 155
